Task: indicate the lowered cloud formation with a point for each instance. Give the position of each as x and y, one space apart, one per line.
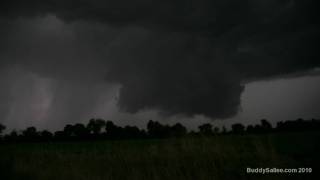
177 57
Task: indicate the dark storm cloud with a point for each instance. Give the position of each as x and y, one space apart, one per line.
180 57
174 73
180 14
184 15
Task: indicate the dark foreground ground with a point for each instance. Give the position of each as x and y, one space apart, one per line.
219 157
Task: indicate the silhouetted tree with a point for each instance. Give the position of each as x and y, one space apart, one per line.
178 130
80 131
95 126
68 131
2 128
250 129
13 136
224 130
113 131
133 132
216 130
30 134
73 132
193 133
46 135
205 129
238 128
265 126
298 125
60 136
157 130
256 129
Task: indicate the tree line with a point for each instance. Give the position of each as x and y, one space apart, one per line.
99 129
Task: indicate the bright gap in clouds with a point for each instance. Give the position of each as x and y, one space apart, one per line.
279 100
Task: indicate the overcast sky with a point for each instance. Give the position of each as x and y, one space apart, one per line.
221 61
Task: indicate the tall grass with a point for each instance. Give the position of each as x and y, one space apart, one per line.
220 157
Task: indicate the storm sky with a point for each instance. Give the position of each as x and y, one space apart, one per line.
192 61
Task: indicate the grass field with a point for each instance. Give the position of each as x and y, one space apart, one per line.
219 157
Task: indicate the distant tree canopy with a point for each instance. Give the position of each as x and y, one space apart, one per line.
238 128
157 130
95 126
264 127
99 129
205 129
298 125
2 128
